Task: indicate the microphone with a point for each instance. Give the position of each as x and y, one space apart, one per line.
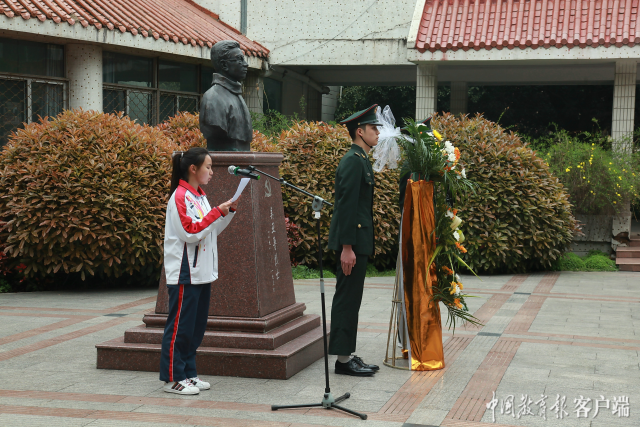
234 170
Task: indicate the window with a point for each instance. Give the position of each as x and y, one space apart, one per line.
131 85
26 57
30 83
272 98
206 78
127 70
180 84
177 76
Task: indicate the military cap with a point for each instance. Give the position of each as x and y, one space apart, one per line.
364 117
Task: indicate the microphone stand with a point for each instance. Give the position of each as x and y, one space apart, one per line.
328 401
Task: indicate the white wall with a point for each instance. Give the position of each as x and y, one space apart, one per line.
84 71
329 32
229 11
212 5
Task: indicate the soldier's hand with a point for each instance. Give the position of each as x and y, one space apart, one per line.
347 259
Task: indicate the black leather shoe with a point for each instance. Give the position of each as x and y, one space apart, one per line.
360 362
352 368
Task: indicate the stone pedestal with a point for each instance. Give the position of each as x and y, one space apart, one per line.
255 327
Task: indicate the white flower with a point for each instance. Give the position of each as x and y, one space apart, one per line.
463 173
458 278
449 214
456 235
457 290
452 157
449 148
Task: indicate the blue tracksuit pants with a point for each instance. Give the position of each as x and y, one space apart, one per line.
183 333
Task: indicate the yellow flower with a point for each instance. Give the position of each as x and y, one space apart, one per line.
568 169
437 135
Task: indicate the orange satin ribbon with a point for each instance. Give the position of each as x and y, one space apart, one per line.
418 245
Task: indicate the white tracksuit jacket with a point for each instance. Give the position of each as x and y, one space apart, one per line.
190 237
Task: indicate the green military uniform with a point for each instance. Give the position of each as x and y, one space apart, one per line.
351 224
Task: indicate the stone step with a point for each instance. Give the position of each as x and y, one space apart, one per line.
264 341
281 363
628 252
628 264
635 242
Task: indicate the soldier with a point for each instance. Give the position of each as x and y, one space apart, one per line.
351 236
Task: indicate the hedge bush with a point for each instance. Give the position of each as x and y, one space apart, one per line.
85 193
520 218
312 152
598 181
184 130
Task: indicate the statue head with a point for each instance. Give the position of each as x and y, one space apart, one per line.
227 59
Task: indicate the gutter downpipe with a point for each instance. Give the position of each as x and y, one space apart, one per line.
243 16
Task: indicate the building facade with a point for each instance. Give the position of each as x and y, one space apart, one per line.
148 59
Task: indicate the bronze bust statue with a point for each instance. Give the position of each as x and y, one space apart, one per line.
224 117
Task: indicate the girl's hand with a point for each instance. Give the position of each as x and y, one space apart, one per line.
224 208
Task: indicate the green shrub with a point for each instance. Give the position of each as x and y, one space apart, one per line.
312 151
272 123
304 272
569 262
519 218
599 261
5 286
85 193
599 181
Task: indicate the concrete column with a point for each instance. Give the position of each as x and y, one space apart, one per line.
253 91
330 104
426 90
458 98
624 101
84 71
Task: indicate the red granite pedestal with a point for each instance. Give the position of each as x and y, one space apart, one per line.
255 327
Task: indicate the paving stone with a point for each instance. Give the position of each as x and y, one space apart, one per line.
536 367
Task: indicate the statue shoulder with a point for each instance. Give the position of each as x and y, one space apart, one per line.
215 99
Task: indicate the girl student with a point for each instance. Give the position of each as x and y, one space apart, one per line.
191 264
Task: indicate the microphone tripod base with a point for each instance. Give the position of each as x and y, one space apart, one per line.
328 402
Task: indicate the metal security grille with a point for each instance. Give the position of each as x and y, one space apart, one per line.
24 99
150 106
172 103
137 103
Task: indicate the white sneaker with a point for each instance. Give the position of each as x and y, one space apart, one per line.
202 385
181 387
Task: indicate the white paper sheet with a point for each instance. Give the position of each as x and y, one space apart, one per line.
241 186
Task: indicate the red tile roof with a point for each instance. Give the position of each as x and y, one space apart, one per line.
179 21
477 24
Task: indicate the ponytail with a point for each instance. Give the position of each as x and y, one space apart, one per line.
182 160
